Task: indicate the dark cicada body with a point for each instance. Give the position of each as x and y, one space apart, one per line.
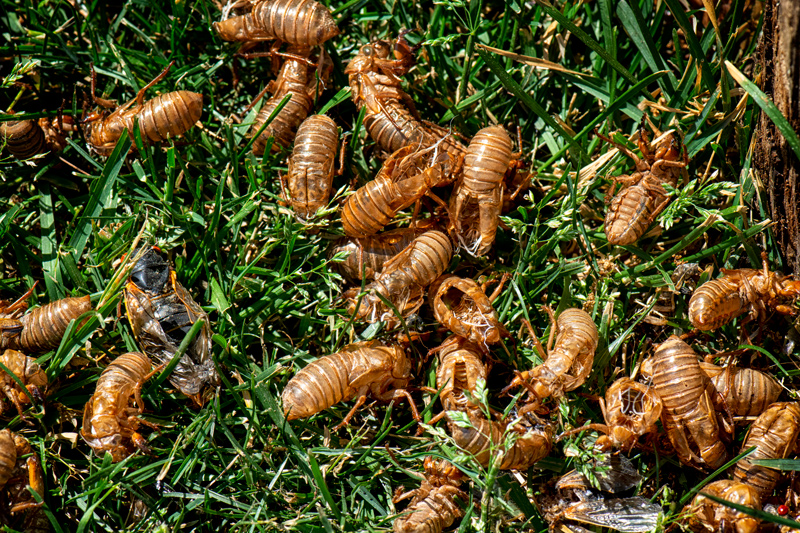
161 313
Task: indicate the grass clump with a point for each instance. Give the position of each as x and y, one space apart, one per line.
557 72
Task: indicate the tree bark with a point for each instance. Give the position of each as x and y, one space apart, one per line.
776 163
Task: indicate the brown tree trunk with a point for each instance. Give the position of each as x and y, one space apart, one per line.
777 165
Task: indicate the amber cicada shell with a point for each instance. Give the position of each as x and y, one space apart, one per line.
161 313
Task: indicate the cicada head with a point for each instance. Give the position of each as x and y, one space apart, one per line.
151 272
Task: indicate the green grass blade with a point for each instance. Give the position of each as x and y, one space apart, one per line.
323 486
635 25
176 358
99 196
683 501
767 517
697 53
508 82
49 245
587 40
767 105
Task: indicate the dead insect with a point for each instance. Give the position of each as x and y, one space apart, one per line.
311 169
478 195
747 392
433 507
373 252
161 313
579 500
691 406
774 434
28 372
403 280
405 177
706 515
461 365
296 78
300 22
738 292
461 305
165 116
360 369
41 329
110 418
484 438
391 118
26 138
643 196
567 364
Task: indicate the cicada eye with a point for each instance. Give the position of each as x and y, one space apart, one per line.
366 50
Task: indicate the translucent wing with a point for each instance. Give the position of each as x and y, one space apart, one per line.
629 515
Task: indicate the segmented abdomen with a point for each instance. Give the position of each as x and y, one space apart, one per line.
284 126
690 414
677 377
373 252
718 301
391 124
774 434
302 22
327 381
487 159
44 326
122 375
169 115
396 129
747 392
629 215
573 352
8 456
311 165
23 138
372 206
431 514
430 256
478 440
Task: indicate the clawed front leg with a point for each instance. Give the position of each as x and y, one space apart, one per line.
659 166
397 394
641 165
